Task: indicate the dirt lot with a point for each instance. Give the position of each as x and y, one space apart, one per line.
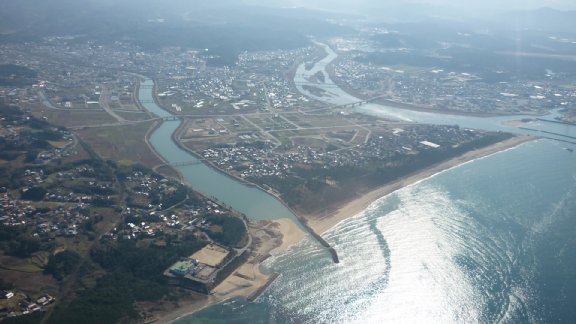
121 143
211 255
27 278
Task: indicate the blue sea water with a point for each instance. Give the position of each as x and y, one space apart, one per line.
492 240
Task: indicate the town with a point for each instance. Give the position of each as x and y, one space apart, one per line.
102 78
64 203
442 88
86 199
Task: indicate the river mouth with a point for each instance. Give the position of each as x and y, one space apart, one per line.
256 203
333 95
453 248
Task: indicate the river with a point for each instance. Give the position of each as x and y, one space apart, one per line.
334 95
251 201
489 241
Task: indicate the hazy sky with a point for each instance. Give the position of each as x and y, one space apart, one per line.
469 5
508 4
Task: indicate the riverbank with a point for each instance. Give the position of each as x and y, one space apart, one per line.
323 222
413 107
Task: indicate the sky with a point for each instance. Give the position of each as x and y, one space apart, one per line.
357 6
509 4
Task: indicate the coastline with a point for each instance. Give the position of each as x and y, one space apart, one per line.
322 223
232 287
248 281
292 234
251 279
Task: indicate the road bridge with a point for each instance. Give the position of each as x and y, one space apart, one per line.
184 163
319 85
169 118
358 103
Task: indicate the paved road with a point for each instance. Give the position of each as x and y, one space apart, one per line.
105 104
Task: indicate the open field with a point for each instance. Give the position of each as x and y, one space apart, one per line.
72 117
133 116
124 143
27 275
211 255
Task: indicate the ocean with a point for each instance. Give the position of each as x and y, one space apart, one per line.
492 240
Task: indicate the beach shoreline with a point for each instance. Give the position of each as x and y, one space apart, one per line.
248 281
289 234
321 223
231 288
292 234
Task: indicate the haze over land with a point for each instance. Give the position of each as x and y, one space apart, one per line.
150 147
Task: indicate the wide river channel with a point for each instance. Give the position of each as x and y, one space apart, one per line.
259 205
252 201
488 241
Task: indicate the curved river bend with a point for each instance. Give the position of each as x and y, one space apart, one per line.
488 241
334 95
253 202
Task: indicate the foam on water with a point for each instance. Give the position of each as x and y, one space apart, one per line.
424 282
489 241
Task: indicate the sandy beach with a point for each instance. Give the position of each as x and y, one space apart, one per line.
291 235
279 235
273 237
322 223
243 282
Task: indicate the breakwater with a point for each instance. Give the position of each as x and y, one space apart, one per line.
551 133
548 132
244 197
321 240
260 290
556 121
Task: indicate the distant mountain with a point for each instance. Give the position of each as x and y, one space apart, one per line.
377 10
17 15
225 26
54 16
541 19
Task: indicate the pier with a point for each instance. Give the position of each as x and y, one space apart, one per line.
562 135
